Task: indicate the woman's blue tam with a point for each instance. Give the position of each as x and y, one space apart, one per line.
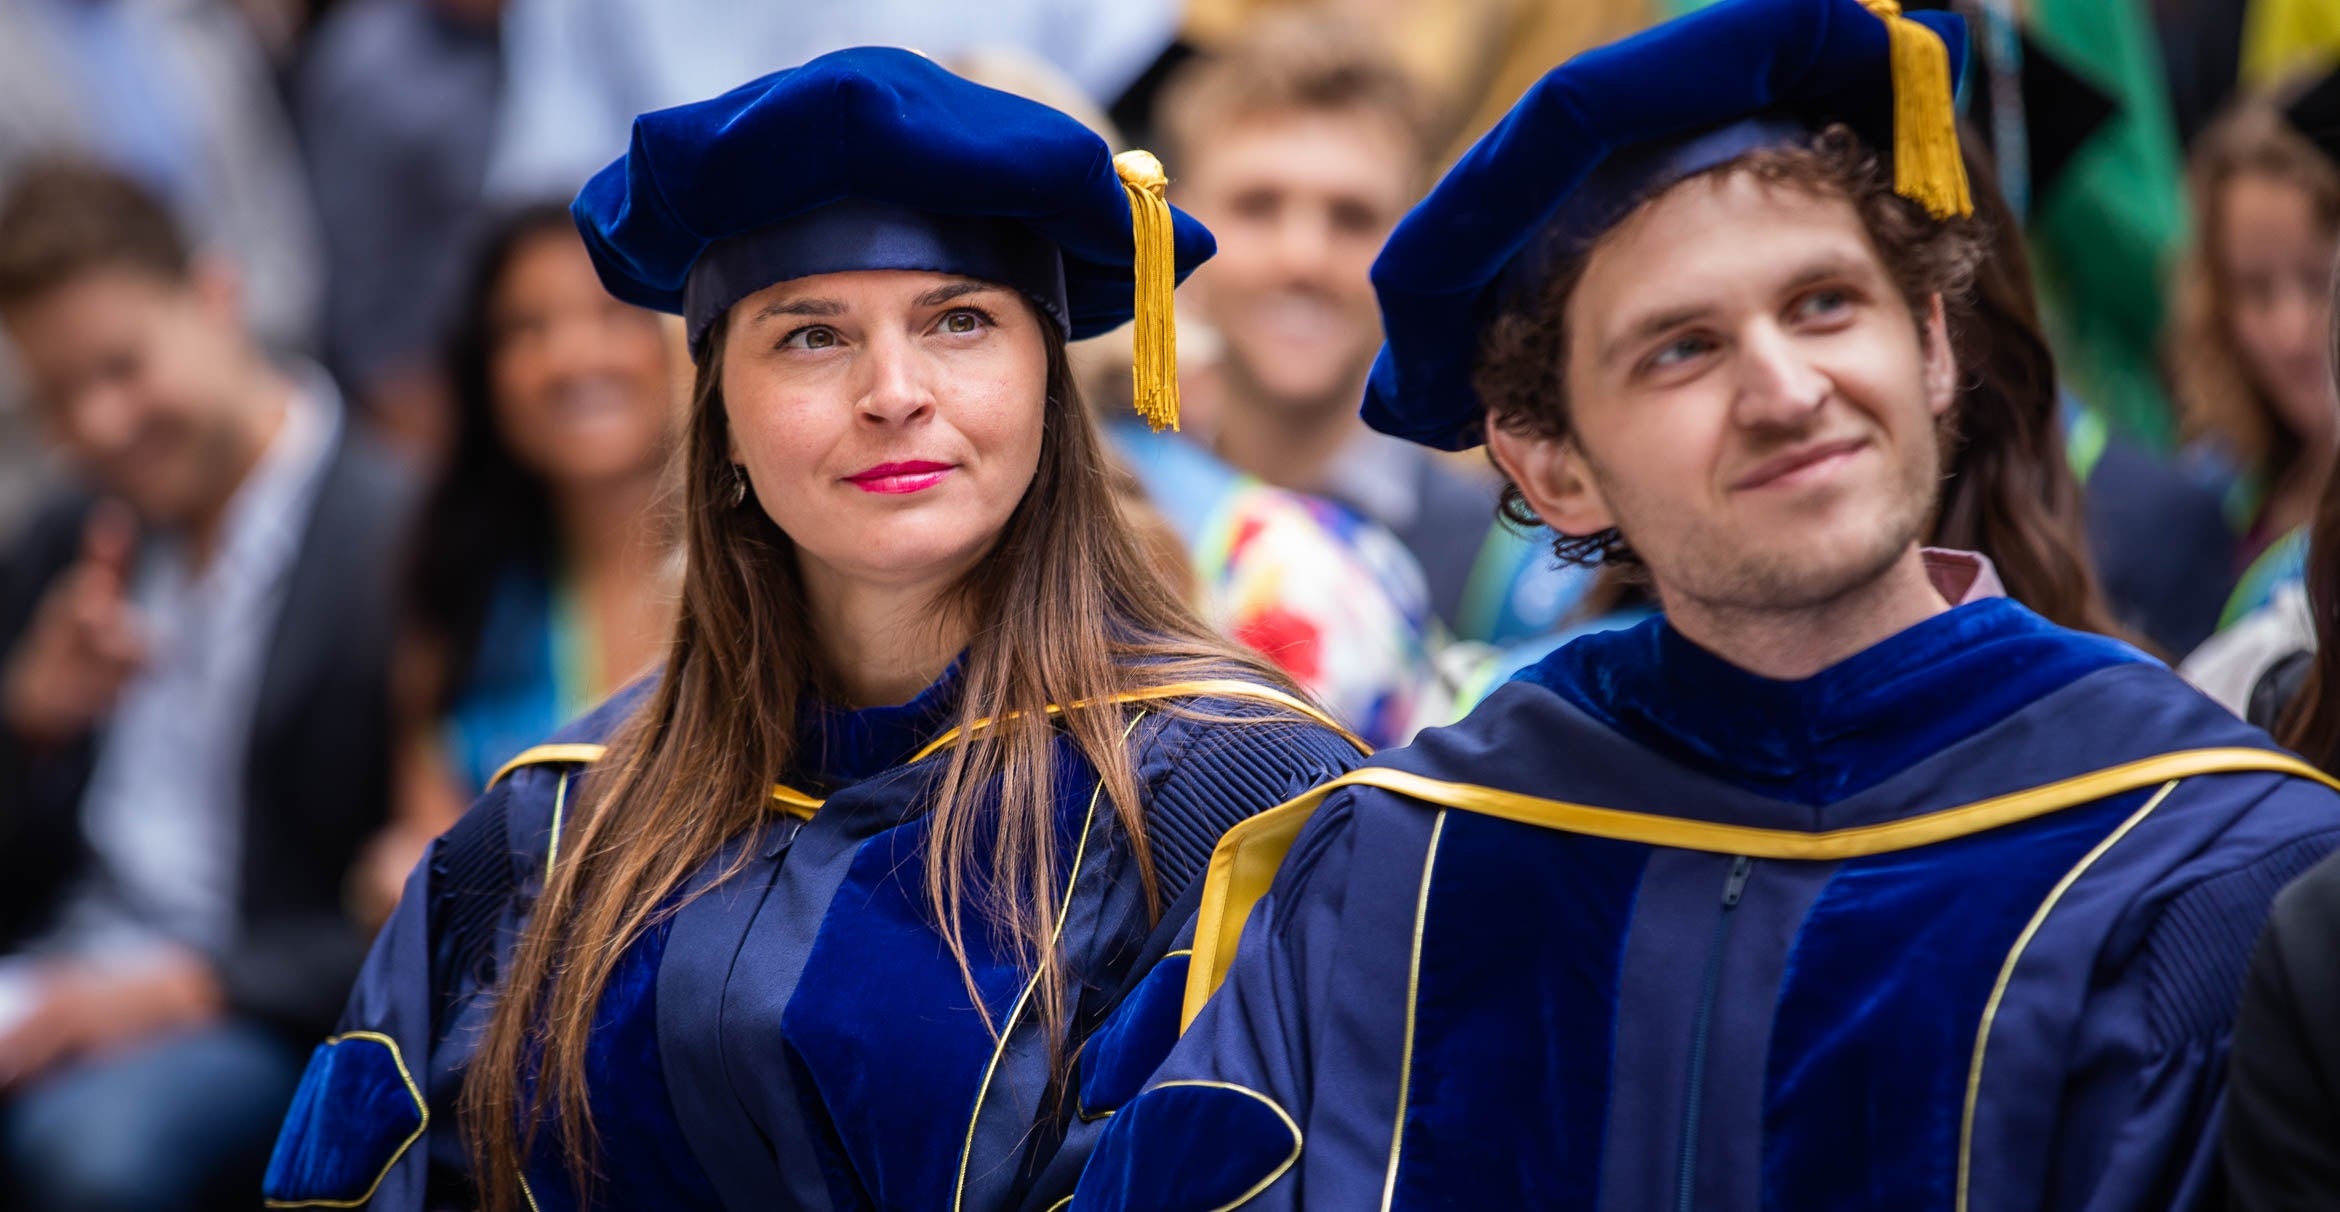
873 158
1612 127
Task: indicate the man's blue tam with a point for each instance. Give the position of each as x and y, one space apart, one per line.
879 158
1612 127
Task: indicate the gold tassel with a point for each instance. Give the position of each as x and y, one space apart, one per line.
1926 166
1154 340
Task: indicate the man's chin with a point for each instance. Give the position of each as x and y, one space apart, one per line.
1321 385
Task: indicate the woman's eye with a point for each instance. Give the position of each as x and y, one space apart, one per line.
964 320
811 336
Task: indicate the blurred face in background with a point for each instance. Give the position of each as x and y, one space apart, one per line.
889 420
145 383
1300 202
2275 261
583 384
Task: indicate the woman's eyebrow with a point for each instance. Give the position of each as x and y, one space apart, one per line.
952 290
800 307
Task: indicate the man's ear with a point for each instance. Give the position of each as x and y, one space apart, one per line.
1941 367
1554 477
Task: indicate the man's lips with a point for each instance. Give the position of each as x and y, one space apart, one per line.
1795 462
913 476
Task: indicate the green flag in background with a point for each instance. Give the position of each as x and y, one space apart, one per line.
2107 233
2107 230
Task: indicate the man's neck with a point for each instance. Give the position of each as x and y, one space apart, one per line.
270 397
1792 644
1291 446
883 643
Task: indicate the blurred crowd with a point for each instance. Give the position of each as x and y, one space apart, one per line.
331 479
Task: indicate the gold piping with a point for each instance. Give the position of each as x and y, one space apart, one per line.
795 803
1233 688
421 1108
1397 1131
1007 1030
1982 1032
540 755
1245 861
1281 1114
552 853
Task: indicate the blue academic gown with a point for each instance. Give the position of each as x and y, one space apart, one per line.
1475 1006
798 1037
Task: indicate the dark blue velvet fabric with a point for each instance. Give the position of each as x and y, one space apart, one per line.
1130 1046
1193 1148
1841 731
1515 1011
629 1094
900 1102
1883 992
873 123
837 746
1443 272
349 1119
646 1161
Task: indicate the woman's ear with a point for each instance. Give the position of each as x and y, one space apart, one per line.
1551 473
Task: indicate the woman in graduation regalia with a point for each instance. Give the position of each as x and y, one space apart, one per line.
877 895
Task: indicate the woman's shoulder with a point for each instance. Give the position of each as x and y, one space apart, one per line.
1241 718
1224 753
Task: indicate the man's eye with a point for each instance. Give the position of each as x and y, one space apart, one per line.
1678 351
811 336
1823 303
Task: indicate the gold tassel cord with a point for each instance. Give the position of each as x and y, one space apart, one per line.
1154 340
1926 165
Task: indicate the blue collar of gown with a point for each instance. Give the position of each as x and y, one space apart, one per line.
838 747
1840 731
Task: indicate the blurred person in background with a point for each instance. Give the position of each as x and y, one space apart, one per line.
1300 143
577 71
543 567
1333 599
177 95
2281 1137
393 100
2157 540
2248 351
193 712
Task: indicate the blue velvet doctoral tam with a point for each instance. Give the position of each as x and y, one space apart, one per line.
797 1036
1456 1009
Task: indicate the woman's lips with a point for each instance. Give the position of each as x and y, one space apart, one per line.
896 478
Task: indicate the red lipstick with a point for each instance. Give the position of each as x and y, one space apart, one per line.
913 476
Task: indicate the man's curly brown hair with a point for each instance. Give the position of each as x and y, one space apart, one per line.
1522 371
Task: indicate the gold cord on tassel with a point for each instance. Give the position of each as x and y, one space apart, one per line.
1926 165
1154 340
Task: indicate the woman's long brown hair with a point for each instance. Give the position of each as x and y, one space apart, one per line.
2010 492
1065 609
2310 724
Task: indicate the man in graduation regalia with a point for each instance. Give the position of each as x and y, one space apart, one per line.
1847 882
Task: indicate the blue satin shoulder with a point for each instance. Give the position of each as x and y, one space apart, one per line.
1840 731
